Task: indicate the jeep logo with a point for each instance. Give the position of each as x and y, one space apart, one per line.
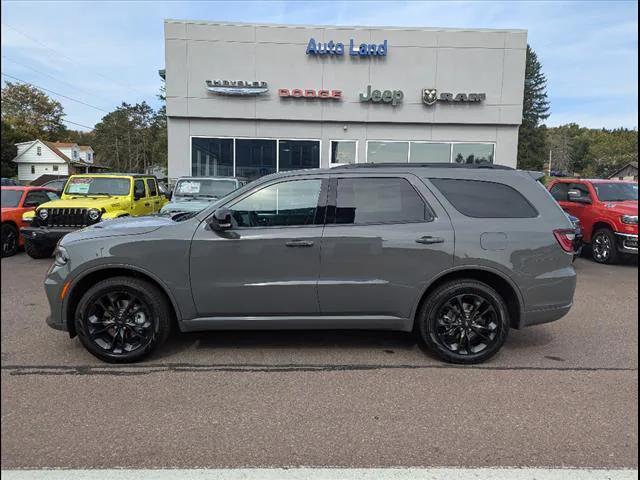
393 97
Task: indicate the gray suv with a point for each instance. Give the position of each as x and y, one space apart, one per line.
459 254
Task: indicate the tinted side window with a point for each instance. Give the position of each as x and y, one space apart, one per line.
36 198
283 204
479 199
582 188
560 192
378 200
138 188
151 186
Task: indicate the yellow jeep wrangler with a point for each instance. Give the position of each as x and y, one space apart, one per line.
89 199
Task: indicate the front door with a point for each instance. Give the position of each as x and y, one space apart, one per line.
141 202
267 263
154 195
385 239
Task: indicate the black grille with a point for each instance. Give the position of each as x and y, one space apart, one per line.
66 217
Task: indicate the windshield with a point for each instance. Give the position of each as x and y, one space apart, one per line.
98 186
11 198
616 191
204 188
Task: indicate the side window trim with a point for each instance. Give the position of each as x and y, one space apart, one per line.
321 205
429 213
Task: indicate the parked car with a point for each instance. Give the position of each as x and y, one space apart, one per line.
9 182
15 202
459 254
577 242
608 212
88 199
57 184
192 194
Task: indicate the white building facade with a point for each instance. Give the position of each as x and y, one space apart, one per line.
38 157
247 100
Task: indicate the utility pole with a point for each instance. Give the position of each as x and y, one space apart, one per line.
549 162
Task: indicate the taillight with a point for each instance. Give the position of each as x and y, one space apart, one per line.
565 238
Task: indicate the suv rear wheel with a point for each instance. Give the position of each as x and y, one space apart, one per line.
603 246
122 319
9 240
464 321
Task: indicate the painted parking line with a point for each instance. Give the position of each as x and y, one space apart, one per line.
326 474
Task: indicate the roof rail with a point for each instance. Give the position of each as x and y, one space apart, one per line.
429 165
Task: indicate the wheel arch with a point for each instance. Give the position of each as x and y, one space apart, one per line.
495 279
90 277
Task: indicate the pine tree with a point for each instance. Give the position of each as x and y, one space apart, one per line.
531 137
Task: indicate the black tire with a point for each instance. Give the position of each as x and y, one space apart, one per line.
38 250
603 247
10 238
431 322
157 310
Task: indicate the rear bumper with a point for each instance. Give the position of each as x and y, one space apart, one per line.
627 243
45 235
546 315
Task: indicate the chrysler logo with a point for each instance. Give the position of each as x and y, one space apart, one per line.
236 87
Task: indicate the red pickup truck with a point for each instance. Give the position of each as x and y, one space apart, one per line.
608 211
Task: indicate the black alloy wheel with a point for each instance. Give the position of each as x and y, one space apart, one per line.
603 246
10 237
464 321
122 319
466 324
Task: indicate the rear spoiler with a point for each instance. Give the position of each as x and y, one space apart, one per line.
535 175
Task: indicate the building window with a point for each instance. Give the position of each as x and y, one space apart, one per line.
298 154
343 151
75 154
55 168
33 169
425 152
212 157
472 152
387 152
255 158
39 151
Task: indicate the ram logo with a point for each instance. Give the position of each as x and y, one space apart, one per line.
429 96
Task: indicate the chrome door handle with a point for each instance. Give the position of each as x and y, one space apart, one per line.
299 243
429 240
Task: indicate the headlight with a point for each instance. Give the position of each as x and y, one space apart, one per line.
61 257
43 213
629 219
94 214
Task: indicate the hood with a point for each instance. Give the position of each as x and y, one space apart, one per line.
623 208
8 210
87 202
176 206
118 226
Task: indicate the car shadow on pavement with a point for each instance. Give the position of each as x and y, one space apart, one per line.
388 342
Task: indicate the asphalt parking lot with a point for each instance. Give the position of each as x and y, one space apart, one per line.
563 394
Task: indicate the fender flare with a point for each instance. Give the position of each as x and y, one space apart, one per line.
462 268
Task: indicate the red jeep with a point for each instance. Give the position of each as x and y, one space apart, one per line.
608 211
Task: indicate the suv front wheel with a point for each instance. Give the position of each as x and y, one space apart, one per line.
122 319
464 321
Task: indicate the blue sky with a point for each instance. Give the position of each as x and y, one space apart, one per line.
103 53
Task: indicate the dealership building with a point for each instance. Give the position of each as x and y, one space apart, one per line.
247 100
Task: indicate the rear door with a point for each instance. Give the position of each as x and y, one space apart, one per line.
154 195
385 238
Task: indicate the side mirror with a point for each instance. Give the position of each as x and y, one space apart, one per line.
137 195
577 197
220 220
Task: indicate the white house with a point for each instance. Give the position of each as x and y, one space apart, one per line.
40 157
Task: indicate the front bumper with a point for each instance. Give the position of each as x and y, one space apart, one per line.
47 235
57 323
627 243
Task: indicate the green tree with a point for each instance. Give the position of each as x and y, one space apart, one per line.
31 113
8 149
532 139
